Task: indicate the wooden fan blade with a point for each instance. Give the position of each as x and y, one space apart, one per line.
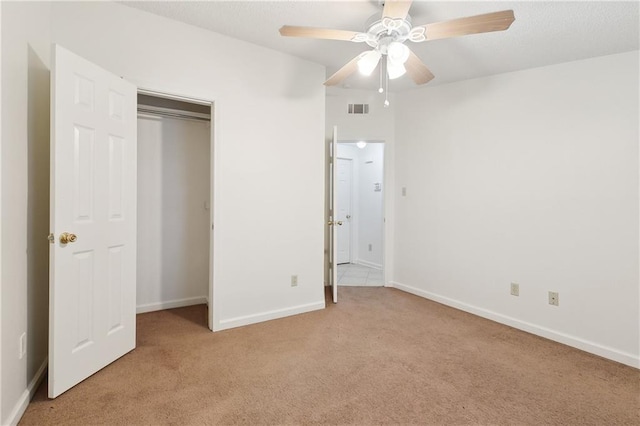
344 72
396 8
496 21
322 33
417 70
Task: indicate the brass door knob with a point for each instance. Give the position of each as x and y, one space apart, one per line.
66 237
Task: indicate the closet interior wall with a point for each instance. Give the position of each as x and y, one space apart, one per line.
173 203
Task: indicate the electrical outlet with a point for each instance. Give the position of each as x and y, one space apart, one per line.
22 345
515 289
294 280
370 247
554 298
404 191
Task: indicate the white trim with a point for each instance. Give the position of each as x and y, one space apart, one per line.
27 395
173 96
214 213
1 289
170 304
557 336
269 315
368 264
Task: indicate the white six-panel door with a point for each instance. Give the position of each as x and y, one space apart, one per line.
343 188
93 196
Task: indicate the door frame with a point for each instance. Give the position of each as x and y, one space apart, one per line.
212 315
387 205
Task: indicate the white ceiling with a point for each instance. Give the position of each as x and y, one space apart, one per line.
544 32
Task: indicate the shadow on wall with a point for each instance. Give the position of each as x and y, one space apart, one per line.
184 236
38 141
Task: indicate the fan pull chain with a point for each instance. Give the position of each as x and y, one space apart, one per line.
386 87
380 90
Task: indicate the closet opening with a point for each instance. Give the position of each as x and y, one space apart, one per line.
175 187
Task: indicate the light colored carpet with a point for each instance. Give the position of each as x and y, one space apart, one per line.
380 356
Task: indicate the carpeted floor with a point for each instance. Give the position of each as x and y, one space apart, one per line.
380 356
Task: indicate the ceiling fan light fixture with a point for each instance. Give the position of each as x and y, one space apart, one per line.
368 62
397 53
395 70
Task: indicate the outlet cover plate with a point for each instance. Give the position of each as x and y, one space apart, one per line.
515 289
554 298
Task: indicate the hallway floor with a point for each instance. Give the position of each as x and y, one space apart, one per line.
352 274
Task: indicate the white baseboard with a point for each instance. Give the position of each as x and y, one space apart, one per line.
557 336
266 316
368 264
170 304
27 395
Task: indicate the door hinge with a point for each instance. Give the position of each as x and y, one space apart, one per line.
51 238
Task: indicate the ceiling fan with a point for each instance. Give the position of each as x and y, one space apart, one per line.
387 36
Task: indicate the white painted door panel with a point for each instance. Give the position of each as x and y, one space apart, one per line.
343 188
333 232
93 195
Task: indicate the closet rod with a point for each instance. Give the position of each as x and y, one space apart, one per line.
167 112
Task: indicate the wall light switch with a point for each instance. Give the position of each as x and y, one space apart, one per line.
22 345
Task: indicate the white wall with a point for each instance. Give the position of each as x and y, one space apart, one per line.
266 103
368 206
25 197
378 125
527 177
173 212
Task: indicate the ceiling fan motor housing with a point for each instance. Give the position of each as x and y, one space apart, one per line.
382 32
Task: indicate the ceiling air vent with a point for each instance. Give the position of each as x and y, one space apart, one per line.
358 108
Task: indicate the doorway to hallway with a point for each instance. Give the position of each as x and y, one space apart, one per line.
360 194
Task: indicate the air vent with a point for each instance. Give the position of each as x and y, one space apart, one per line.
358 108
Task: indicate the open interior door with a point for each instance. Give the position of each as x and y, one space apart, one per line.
333 209
92 293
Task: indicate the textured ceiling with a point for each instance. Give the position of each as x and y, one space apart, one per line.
543 33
